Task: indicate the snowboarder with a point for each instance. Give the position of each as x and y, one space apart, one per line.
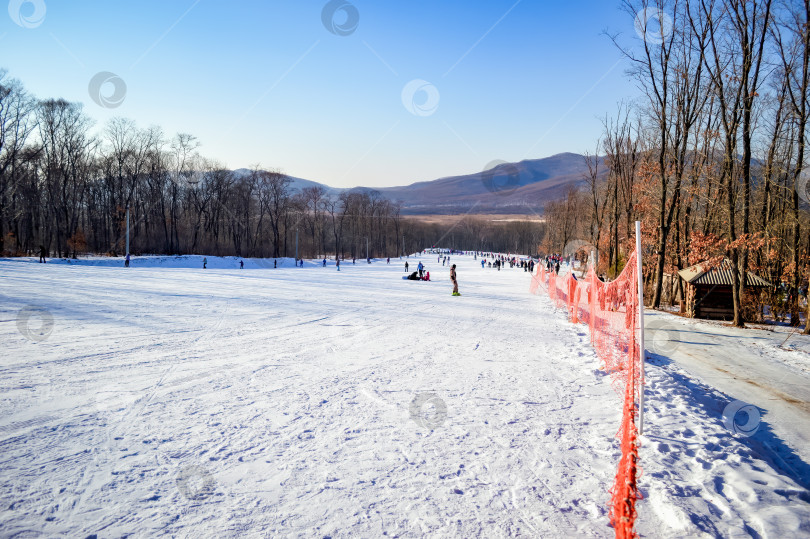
205 262
453 278
126 262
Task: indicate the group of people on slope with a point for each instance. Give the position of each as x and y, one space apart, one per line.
553 262
419 275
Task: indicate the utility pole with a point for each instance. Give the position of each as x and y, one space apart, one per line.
127 229
641 352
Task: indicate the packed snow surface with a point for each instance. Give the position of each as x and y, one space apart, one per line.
168 400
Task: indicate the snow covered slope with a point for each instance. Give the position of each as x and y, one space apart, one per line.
165 399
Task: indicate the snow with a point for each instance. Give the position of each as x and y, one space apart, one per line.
165 399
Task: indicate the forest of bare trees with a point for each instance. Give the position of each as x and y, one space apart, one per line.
713 158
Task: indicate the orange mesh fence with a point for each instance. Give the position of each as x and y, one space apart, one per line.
611 312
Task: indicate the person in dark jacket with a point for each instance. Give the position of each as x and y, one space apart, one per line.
43 252
455 281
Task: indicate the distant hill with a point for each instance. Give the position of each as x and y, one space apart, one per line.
522 187
509 188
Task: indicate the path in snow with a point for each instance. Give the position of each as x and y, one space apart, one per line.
303 401
749 365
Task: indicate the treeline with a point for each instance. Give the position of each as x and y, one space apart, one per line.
713 158
67 190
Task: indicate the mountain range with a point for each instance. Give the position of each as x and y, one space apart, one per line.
505 188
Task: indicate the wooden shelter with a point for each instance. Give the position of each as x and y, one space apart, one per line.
709 290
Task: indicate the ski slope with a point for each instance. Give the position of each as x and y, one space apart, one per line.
168 400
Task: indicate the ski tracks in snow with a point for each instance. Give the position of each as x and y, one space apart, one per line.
307 402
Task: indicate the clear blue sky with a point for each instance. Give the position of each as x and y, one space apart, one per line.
265 82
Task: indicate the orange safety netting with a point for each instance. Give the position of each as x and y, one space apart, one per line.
611 312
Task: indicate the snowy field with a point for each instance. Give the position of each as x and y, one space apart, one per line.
168 400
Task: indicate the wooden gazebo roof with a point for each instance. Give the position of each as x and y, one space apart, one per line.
721 275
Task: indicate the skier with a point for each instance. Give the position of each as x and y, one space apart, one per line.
420 268
337 263
324 262
406 266
42 254
453 278
275 263
205 262
242 264
126 262
388 261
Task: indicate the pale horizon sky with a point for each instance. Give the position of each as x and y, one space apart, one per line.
343 92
